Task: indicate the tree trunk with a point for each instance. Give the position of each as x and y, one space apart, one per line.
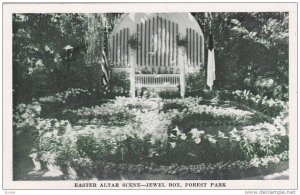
94 43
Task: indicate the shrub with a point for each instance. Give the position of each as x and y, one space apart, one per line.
221 170
197 147
133 41
267 106
169 94
119 85
195 83
270 107
173 106
52 106
196 113
268 86
258 140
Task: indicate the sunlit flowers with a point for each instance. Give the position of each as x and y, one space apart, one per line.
190 129
196 133
222 135
197 140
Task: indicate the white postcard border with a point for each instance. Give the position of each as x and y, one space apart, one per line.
9 8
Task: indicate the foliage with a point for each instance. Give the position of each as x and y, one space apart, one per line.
49 106
94 39
130 130
195 82
122 111
181 41
119 85
271 107
126 144
94 42
43 65
191 113
265 35
40 63
25 115
168 94
220 170
64 96
52 106
268 106
133 41
263 139
267 86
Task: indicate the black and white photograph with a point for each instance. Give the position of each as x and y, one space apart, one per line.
152 96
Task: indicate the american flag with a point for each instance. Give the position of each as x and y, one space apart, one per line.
104 69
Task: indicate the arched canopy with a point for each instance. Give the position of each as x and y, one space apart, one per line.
129 20
156 34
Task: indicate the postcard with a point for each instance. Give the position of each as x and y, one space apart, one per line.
149 96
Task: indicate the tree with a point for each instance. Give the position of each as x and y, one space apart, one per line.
249 47
94 42
39 60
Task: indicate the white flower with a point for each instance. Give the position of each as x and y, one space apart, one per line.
152 141
173 144
252 137
69 127
264 162
237 138
222 135
212 140
202 132
176 129
56 124
183 136
38 127
195 133
255 162
282 132
197 140
276 160
172 135
234 131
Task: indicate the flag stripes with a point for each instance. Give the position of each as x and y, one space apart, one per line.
104 69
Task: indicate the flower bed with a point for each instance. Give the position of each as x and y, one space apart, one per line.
208 171
164 133
72 98
271 107
199 113
119 112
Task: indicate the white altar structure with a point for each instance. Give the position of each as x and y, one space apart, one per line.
157 50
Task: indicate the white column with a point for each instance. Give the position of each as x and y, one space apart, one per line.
182 70
132 63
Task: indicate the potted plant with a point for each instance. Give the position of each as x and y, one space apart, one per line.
133 41
181 41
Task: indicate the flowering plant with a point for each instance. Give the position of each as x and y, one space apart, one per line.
133 41
184 132
63 96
